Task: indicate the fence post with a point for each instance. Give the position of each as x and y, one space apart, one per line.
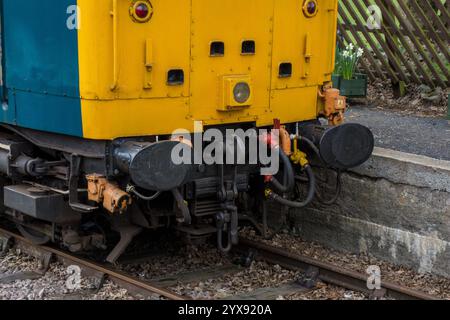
399 87
448 105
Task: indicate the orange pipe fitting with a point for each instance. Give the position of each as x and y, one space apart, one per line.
100 190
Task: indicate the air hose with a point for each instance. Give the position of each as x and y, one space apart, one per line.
289 177
318 195
337 194
296 204
311 145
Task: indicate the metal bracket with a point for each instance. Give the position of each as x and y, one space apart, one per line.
75 163
228 220
309 279
44 263
127 234
6 243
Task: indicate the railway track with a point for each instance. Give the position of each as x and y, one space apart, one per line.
129 282
331 274
327 273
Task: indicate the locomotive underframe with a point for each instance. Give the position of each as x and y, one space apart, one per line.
45 193
79 192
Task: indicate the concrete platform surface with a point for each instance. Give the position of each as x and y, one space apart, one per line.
416 135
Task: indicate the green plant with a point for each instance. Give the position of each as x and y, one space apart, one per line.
347 60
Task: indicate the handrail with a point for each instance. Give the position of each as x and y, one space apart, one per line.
114 14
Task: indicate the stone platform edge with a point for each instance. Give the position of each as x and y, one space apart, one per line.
395 207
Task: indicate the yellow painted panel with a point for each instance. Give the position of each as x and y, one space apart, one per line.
230 22
123 64
168 31
297 36
135 117
290 105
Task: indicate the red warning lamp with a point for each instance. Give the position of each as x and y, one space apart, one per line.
141 10
310 8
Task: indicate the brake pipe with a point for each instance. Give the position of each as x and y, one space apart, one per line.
289 176
309 143
296 204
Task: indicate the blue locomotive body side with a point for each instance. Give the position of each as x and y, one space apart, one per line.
40 59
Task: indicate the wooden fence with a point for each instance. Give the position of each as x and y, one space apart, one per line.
404 40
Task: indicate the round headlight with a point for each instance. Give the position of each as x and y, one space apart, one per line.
241 92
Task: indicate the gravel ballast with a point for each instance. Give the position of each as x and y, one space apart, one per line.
427 283
237 282
52 285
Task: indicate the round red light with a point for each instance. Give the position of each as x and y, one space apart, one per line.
311 7
141 11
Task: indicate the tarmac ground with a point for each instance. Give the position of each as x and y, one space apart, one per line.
410 134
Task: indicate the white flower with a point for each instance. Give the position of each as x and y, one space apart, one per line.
350 47
346 54
360 53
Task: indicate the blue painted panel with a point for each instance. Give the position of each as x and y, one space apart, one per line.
49 113
41 53
41 66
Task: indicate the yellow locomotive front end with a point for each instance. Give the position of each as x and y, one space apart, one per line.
127 115
148 67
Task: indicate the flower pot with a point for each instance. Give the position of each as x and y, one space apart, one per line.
336 79
354 88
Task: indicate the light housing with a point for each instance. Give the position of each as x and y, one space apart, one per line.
141 11
310 8
236 92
